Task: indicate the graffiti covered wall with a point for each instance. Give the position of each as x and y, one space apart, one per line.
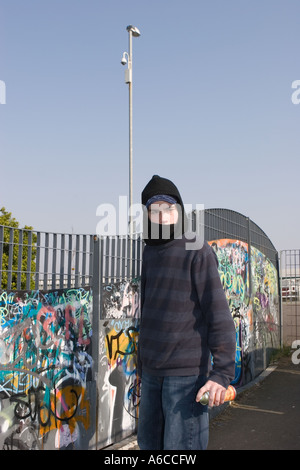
120 384
251 288
252 296
233 259
47 394
50 397
119 388
266 308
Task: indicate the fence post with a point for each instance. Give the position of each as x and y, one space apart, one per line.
96 282
1 252
279 272
96 291
249 256
37 262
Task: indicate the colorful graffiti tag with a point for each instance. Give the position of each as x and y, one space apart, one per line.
233 269
45 368
121 299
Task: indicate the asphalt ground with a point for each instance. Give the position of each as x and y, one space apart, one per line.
264 416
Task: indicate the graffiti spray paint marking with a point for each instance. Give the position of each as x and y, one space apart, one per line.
121 340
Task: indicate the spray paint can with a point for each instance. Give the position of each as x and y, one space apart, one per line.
229 395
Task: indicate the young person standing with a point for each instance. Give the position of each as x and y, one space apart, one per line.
185 319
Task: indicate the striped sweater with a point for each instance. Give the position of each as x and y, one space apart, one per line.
184 314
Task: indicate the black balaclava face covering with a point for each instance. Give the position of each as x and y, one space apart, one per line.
158 234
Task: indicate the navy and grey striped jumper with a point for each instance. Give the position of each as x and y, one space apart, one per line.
184 314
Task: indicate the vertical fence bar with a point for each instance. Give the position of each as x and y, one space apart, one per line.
77 271
123 258
20 252
70 261
280 290
1 252
37 262
128 254
113 259
249 257
91 258
83 268
118 256
105 257
62 261
133 259
97 275
139 254
280 299
46 251
29 259
10 258
99 268
54 256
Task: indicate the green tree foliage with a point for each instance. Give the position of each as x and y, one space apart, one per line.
22 242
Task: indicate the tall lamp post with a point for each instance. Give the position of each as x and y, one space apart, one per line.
127 59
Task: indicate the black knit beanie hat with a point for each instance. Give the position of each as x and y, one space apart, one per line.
163 186
158 185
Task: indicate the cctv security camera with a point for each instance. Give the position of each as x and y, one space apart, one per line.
124 60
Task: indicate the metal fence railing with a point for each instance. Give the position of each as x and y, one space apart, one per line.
225 223
42 260
121 258
290 294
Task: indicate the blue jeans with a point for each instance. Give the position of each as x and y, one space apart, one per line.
169 416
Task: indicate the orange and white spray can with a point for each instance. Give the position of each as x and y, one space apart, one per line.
229 395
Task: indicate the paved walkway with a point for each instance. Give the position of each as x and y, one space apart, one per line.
264 416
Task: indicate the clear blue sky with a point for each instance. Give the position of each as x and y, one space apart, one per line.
212 87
